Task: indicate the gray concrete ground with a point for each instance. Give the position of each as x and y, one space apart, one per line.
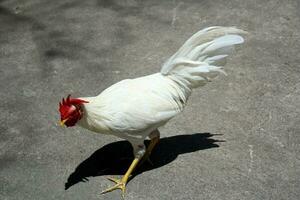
237 139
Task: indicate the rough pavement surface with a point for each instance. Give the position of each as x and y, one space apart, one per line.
238 138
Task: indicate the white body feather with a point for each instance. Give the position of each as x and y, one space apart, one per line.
132 109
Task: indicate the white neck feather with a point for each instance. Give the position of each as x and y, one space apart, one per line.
92 118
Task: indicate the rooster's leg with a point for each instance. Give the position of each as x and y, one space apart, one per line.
154 136
121 183
140 157
139 151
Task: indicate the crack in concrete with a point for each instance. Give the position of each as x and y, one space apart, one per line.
174 18
251 158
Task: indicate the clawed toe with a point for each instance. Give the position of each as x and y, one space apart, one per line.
115 180
120 184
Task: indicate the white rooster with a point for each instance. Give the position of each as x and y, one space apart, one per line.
134 109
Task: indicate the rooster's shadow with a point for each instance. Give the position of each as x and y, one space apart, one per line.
114 158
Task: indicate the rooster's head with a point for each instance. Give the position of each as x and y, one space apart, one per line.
70 111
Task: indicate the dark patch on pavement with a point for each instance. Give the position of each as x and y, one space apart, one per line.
115 158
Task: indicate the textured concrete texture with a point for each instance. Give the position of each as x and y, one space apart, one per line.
238 138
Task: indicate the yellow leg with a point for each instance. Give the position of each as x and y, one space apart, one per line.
152 144
149 150
121 183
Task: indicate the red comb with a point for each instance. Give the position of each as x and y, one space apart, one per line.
65 104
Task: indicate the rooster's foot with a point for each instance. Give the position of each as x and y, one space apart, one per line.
120 184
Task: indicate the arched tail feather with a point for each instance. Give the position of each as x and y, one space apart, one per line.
202 57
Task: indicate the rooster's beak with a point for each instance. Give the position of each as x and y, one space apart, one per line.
62 122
